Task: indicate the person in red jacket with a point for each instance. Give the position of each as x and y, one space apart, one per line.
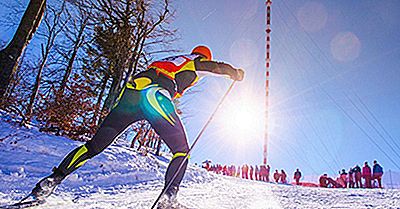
277 176
343 177
267 173
323 180
283 177
367 175
257 173
357 176
263 173
251 172
351 178
297 176
245 171
225 170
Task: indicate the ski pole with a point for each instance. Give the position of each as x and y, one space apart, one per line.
194 143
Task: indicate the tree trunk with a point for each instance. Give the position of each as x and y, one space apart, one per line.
71 60
10 55
35 90
99 112
112 95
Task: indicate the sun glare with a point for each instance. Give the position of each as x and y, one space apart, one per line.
241 120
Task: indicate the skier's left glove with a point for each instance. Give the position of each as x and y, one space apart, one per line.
238 75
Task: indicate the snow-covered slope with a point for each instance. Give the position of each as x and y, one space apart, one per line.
122 178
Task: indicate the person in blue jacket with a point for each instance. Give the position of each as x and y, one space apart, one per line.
377 173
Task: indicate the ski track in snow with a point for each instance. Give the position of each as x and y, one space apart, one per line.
122 178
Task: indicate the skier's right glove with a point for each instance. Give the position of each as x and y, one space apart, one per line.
238 75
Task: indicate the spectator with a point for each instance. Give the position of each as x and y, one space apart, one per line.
277 176
257 173
206 165
333 183
224 170
219 169
357 176
297 176
245 171
283 177
267 173
263 173
237 172
351 178
377 173
343 177
367 174
323 180
251 172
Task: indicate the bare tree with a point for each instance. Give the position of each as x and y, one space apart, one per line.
54 24
77 38
125 29
10 55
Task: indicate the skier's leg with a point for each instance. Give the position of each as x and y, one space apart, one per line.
160 112
112 126
175 138
118 119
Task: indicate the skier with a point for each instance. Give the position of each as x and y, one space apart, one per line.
148 96
377 171
367 174
297 176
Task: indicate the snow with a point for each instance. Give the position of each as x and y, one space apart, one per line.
120 177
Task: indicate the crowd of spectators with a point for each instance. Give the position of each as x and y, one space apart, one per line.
372 178
355 177
257 173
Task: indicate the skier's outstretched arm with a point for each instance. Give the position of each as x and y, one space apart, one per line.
219 68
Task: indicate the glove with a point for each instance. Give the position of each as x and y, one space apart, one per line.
238 75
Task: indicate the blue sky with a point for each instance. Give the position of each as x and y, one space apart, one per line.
334 63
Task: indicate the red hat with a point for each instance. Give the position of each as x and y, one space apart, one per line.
203 51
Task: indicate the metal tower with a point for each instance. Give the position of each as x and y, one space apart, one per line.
267 66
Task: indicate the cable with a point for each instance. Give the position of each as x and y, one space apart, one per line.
380 124
358 125
372 125
323 67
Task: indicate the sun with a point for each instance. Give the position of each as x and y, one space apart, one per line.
241 119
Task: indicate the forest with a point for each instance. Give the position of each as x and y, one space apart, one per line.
68 61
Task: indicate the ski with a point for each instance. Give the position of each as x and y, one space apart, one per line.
24 204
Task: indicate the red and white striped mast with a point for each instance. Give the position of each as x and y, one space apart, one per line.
267 66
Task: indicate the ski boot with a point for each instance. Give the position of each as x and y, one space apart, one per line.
46 186
169 200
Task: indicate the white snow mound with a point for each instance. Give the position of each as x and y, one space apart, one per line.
122 178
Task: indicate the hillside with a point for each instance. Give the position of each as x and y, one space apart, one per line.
122 178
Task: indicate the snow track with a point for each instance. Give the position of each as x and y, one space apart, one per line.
122 178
